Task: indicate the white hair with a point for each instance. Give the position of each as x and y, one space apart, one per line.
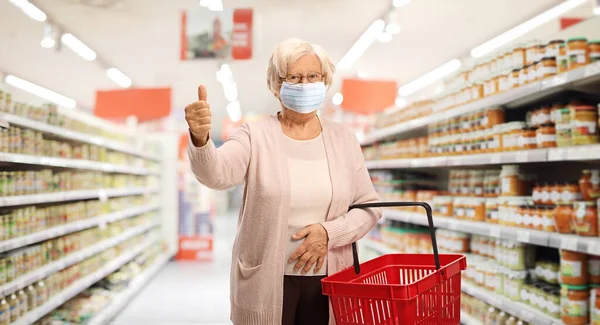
288 52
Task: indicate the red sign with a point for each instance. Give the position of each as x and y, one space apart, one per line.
368 96
241 38
195 248
145 103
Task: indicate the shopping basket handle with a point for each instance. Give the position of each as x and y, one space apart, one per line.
427 208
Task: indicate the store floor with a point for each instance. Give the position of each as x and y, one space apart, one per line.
186 293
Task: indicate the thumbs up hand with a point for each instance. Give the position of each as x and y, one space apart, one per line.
198 117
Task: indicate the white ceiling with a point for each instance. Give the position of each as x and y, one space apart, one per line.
141 38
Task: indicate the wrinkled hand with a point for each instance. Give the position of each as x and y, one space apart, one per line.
198 117
313 250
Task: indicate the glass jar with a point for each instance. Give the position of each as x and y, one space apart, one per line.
562 59
575 304
524 75
594 51
527 138
570 193
532 72
577 50
563 214
511 135
491 210
555 192
518 55
443 206
546 136
563 128
513 78
594 269
585 218
552 49
584 125
573 268
511 181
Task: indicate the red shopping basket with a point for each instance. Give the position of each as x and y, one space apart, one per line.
398 289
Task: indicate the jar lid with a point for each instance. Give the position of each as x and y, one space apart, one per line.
573 287
584 108
577 39
596 41
517 70
529 128
548 58
562 45
557 41
547 125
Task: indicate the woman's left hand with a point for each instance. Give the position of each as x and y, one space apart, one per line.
313 250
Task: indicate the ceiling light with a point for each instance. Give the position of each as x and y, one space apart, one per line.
393 28
401 102
40 91
78 47
400 3
234 111
361 74
118 77
214 5
384 37
430 77
524 28
337 99
30 10
49 37
231 92
47 43
358 49
597 8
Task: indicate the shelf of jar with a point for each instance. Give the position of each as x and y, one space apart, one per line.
511 98
67 134
82 284
76 226
135 286
589 245
72 163
53 267
101 194
517 309
466 319
578 153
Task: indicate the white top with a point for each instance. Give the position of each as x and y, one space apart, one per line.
310 193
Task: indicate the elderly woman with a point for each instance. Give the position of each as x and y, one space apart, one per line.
301 173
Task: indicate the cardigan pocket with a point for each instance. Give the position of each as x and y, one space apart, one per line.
251 288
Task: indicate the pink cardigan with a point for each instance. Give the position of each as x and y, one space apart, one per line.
255 154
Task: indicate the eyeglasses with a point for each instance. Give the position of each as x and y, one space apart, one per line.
297 78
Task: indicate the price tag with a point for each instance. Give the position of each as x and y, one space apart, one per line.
523 236
592 69
569 243
557 154
103 196
496 159
495 232
522 157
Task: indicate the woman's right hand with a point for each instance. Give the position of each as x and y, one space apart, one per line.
198 117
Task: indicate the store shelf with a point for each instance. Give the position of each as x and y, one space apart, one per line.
80 285
580 153
71 259
512 98
519 310
378 247
101 194
74 136
466 319
72 163
76 226
135 286
590 245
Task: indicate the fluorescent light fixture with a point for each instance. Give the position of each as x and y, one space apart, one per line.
234 111
430 77
401 102
384 37
362 44
118 77
337 99
78 47
597 8
524 28
30 10
47 43
224 74
231 92
39 91
400 3
393 28
214 5
361 74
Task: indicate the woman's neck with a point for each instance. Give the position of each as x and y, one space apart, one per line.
299 126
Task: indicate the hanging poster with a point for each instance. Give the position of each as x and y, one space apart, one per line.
223 34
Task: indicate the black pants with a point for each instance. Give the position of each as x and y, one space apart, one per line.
303 301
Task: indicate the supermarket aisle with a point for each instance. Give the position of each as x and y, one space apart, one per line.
188 293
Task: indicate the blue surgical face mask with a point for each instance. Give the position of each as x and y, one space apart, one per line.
303 98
